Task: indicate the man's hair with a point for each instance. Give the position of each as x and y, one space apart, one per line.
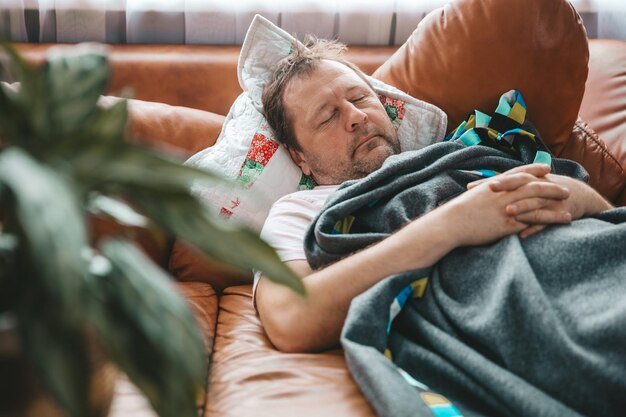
303 59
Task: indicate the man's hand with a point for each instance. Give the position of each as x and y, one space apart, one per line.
582 200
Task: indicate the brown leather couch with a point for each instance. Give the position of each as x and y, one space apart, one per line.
248 376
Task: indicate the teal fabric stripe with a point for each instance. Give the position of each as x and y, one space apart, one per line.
470 138
447 410
487 173
543 158
503 105
482 119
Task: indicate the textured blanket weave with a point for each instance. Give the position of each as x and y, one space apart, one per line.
532 327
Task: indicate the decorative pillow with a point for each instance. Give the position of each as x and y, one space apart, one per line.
247 153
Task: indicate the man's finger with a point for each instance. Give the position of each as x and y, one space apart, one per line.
537 170
512 181
531 230
541 189
527 205
543 216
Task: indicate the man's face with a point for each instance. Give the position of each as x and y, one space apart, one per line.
341 125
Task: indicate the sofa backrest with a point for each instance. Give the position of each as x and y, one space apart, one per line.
466 54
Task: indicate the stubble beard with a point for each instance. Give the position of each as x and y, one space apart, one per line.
359 168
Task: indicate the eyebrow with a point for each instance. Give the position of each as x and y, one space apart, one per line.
320 108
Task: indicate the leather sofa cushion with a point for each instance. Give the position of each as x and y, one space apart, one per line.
249 377
179 130
465 55
604 102
604 107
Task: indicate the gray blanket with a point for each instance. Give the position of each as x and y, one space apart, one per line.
522 327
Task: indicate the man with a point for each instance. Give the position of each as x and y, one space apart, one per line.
335 128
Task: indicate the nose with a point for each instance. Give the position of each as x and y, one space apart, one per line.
355 117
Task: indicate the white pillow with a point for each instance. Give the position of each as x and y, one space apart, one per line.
247 153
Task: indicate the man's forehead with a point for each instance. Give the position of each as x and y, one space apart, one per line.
316 89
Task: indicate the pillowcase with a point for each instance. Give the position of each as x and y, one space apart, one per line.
247 153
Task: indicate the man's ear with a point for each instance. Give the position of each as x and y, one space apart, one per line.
300 160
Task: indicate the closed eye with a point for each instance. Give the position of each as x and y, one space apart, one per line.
328 120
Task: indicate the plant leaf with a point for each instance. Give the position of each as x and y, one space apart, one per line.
186 217
25 114
128 163
75 78
121 212
50 228
161 189
151 334
108 124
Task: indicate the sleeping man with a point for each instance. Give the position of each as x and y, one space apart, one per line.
336 129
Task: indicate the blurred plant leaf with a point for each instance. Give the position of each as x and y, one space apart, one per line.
148 329
186 217
121 212
50 224
75 78
95 162
8 249
108 125
25 114
161 189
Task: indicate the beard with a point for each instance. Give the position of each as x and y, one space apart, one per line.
376 150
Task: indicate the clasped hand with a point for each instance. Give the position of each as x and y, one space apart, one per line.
523 200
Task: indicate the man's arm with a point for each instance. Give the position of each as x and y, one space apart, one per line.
296 324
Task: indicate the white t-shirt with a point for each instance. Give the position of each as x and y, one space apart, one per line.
288 221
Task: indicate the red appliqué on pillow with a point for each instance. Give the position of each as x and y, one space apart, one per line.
225 213
259 154
261 149
394 107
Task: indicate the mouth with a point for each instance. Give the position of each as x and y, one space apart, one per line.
364 140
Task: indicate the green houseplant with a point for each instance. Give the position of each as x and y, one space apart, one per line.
63 158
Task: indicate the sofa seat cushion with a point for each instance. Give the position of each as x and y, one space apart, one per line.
249 377
202 300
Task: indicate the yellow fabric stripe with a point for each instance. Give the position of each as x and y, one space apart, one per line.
430 398
419 287
388 354
517 113
343 226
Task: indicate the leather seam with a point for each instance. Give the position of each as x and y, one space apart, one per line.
583 127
